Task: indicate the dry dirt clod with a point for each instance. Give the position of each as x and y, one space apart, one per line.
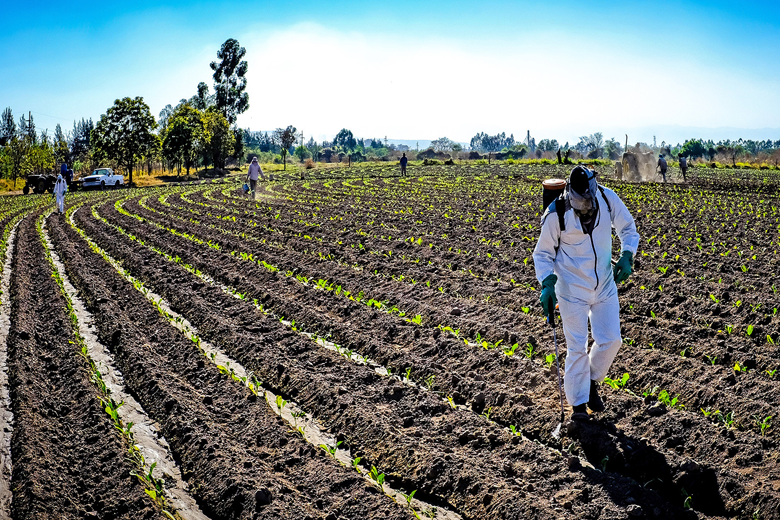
635 511
656 410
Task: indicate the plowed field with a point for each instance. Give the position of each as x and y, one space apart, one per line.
395 322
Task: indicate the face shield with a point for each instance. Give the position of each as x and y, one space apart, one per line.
582 188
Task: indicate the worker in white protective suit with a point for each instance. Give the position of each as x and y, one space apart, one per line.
573 261
60 187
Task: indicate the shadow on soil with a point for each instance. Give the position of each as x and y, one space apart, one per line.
606 446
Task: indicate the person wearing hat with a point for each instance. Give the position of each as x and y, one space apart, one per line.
573 262
252 175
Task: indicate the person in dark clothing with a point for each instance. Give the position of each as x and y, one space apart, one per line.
662 166
69 176
404 160
684 167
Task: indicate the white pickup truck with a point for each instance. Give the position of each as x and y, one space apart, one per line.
102 178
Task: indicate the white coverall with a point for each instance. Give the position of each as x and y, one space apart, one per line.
586 287
60 187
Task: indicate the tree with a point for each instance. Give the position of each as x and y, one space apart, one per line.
732 150
693 148
613 149
302 153
230 80
7 127
548 145
238 146
483 142
442 144
80 140
17 150
314 149
184 136
124 133
61 151
345 140
220 140
165 115
591 145
202 100
285 138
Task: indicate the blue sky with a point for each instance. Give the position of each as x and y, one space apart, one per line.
414 70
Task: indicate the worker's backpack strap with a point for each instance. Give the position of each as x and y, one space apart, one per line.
609 206
560 209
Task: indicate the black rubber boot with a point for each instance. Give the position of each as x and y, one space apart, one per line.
594 401
580 412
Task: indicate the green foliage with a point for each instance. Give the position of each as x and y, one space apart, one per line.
184 136
219 140
285 138
124 134
230 80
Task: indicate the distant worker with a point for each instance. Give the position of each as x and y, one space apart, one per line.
577 273
662 165
60 187
63 169
255 171
404 160
684 167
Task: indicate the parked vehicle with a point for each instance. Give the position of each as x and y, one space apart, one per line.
39 183
102 178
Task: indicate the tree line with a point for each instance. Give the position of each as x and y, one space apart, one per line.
200 130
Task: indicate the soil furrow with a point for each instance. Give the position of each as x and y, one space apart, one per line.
287 371
68 458
240 461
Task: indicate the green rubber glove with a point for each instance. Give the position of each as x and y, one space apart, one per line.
624 267
547 298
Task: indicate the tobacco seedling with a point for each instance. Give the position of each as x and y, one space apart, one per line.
355 464
707 412
764 424
749 330
771 373
514 430
486 413
617 383
280 403
409 497
549 359
712 359
727 419
429 381
331 451
377 477
672 402
408 374
529 351
511 351
688 504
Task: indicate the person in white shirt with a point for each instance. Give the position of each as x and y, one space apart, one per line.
573 262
